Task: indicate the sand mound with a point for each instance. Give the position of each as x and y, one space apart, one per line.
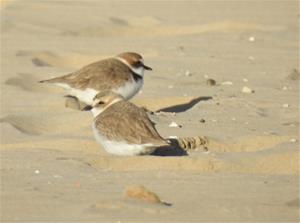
152 28
115 206
140 193
62 60
281 163
51 125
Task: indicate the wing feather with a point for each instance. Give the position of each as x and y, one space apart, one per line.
98 75
124 121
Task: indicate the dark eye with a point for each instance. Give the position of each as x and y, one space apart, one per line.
101 103
138 64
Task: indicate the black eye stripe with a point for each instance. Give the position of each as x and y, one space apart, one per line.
101 103
137 64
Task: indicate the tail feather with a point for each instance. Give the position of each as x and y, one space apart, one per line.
52 80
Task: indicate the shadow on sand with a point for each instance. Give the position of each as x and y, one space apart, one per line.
184 107
173 150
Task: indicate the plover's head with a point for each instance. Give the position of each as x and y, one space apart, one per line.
102 101
134 61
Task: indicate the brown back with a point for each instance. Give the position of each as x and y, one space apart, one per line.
99 75
123 121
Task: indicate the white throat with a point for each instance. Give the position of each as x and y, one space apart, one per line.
97 111
139 71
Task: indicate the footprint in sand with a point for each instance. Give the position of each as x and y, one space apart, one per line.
29 82
24 124
49 125
69 61
62 60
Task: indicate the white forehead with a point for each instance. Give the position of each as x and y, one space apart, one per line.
126 62
139 70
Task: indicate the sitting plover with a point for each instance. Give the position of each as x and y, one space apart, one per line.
122 74
121 127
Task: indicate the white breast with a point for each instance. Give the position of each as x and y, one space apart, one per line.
129 89
122 148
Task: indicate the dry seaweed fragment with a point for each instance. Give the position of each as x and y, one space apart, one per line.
192 143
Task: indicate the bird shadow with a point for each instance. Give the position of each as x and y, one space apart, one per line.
185 106
173 149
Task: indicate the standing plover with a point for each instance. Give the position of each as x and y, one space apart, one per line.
122 74
121 127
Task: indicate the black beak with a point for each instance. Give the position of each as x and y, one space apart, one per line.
87 108
146 67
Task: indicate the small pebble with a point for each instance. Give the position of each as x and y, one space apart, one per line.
245 79
251 38
202 120
40 63
211 82
293 140
170 86
285 105
233 119
247 90
181 48
174 125
294 75
284 88
206 76
187 73
37 172
227 83
246 123
251 58
205 150
214 120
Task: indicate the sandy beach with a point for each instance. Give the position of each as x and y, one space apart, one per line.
52 170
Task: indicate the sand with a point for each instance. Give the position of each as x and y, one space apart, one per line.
52 170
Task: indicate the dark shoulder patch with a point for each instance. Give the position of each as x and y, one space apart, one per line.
136 77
